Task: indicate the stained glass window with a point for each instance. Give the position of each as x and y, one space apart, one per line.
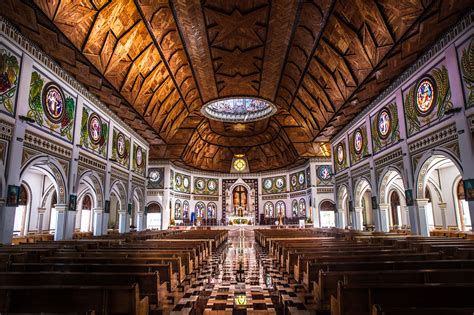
425 95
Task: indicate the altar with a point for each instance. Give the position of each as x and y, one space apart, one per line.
241 220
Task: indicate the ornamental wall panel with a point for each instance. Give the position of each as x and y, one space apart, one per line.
10 64
466 65
121 148
94 132
358 144
274 185
385 127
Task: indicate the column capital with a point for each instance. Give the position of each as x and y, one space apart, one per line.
98 209
422 202
61 207
358 209
383 206
41 210
442 205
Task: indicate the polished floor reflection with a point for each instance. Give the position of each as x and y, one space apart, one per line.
241 279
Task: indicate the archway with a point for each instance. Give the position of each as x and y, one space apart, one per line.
154 212
437 184
364 218
22 212
85 222
327 211
118 202
392 202
343 217
48 177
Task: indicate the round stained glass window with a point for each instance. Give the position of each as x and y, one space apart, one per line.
279 183
154 176
178 180
200 184
95 128
384 123
211 185
240 164
301 178
53 102
267 184
238 109
293 180
425 96
340 153
358 141
186 182
121 145
324 172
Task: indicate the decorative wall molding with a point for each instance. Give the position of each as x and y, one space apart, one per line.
91 163
388 159
463 24
298 194
6 130
152 193
205 198
275 197
325 190
118 174
43 145
434 139
181 196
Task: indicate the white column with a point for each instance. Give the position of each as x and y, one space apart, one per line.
98 214
70 223
123 221
424 227
339 216
105 222
61 218
140 221
378 217
442 208
41 212
406 215
358 219
385 227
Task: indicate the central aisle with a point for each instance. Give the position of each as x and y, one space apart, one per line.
239 279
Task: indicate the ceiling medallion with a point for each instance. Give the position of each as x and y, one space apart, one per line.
238 109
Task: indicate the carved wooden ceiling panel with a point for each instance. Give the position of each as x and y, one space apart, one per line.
156 62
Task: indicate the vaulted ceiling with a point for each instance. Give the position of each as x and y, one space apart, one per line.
156 62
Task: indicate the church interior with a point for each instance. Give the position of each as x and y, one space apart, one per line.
228 157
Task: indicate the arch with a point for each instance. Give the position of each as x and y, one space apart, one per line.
92 180
51 168
387 180
302 207
154 215
211 210
137 191
280 208
425 166
327 205
118 188
342 196
269 209
362 185
154 207
200 209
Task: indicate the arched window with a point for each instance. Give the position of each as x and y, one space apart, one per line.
280 208
186 209
211 210
302 206
327 210
294 208
200 207
86 216
268 208
178 210
153 220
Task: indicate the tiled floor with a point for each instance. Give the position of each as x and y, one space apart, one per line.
241 279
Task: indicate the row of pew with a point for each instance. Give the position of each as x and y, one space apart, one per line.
347 272
134 273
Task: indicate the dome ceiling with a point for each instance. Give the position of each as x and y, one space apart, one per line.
156 63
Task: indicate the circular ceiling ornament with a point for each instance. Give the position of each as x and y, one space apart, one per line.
95 128
54 104
358 141
240 164
238 109
385 123
425 96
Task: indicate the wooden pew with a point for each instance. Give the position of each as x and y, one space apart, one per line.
71 298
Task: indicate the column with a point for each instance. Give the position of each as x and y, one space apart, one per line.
424 227
339 216
406 214
41 212
61 218
98 214
122 221
358 218
105 222
70 220
385 227
442 208
378 217
140 220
